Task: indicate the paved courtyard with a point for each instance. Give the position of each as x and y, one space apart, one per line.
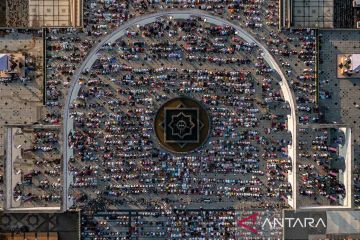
33 166
340 98
21 102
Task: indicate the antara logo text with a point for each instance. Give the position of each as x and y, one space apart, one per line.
273 223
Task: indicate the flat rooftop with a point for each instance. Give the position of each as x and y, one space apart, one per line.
323 14
348 66
41 13
313 13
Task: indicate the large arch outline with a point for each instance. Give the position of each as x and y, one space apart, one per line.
178 14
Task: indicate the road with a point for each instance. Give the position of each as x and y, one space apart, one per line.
176 14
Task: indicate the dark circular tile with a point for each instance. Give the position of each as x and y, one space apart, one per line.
32 219
5 220
182 125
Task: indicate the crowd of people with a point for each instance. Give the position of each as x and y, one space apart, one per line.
180 224
115 150
294 49
17 13
40 169
113 143
116 155
320 167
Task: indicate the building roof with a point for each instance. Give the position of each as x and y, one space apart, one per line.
4 62
355 62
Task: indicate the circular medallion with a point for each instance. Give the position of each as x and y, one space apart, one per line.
181 125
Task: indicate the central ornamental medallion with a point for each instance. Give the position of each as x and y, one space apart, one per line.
182 125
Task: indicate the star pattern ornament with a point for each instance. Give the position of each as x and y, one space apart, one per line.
181 125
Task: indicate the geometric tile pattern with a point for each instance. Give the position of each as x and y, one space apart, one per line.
65 224
49 13
313 13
